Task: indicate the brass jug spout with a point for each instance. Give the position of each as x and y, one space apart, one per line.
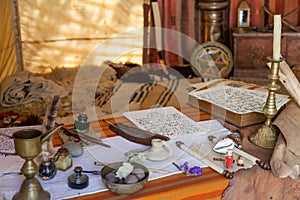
45 136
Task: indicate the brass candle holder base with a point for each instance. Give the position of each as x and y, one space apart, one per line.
265 137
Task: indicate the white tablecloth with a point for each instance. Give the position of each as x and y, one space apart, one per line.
58 186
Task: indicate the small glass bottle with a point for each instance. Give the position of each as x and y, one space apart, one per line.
63 159
78 180
229 159
47 169
240 162
81 125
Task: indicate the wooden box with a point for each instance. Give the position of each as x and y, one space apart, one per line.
251 50
238 120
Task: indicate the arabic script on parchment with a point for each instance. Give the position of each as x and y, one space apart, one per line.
165 121
238 100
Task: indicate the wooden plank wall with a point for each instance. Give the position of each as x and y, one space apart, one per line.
282 7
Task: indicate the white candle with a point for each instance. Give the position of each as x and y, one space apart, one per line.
276 37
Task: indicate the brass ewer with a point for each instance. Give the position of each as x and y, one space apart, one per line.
267 135
28 145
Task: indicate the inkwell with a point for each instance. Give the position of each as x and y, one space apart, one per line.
81 125
47 168
78 180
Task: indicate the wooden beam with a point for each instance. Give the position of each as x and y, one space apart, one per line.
17 33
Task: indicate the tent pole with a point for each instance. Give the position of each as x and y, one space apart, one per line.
17 33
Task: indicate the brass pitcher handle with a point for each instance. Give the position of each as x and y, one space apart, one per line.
45 136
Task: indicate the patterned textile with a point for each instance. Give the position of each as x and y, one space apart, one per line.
209 185
23 87
179 15
143 95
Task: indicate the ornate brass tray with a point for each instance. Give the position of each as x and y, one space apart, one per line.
212 60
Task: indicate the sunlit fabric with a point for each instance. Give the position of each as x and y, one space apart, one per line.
62 33
8 63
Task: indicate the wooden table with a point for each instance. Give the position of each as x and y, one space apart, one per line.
210 185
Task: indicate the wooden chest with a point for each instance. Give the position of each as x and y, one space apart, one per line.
251 50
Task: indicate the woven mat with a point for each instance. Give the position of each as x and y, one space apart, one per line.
137 91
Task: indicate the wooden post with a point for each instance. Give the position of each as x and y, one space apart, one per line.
17 33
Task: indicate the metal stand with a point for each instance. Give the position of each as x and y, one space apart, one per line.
266 136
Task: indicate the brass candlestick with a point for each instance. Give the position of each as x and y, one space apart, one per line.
266 136
28 145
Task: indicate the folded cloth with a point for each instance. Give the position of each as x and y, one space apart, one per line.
256 183
285 160
23 88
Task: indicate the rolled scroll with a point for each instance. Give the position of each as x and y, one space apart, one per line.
289 81
212 165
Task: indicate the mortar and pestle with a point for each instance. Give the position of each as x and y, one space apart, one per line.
28 144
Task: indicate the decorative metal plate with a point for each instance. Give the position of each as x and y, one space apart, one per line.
212 60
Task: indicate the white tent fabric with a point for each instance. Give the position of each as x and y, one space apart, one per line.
62 33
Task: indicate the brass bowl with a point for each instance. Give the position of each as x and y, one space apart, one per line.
123 189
